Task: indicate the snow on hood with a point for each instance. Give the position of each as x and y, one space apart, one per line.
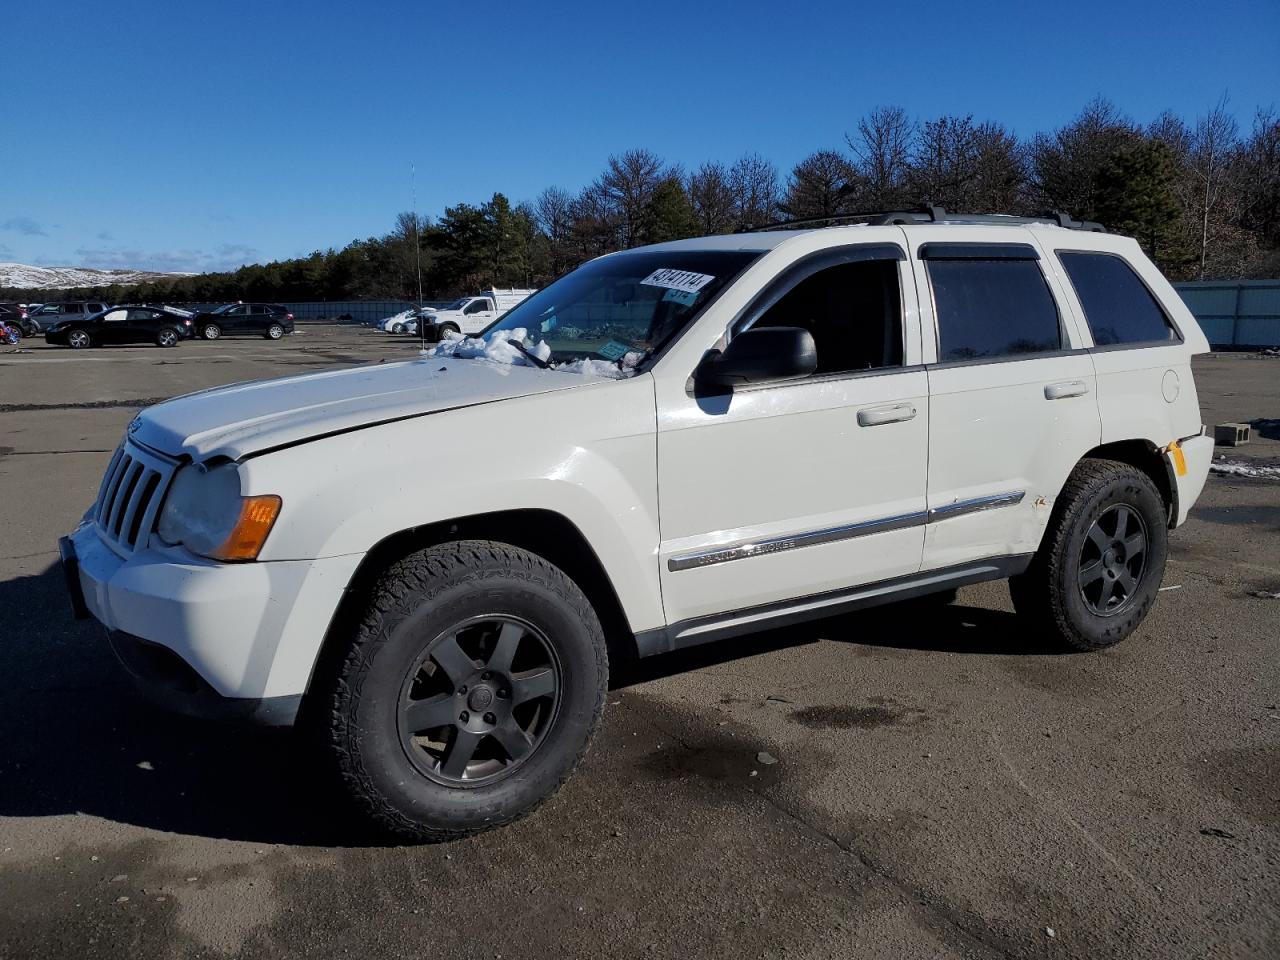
497 348
241 419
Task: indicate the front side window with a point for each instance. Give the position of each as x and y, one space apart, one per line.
626 303
1117 305
853 312
988 309
477 306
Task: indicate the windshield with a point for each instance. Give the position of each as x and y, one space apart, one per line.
628 303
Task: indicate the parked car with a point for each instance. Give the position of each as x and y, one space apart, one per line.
131 323
470 315
269 320
47 314
669 446
15 315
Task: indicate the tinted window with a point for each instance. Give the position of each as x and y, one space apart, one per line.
852 310
992 308
477 306
1117 305
143 315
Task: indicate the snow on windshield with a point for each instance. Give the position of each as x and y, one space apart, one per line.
496 347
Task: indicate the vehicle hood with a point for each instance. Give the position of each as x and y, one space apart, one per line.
246 418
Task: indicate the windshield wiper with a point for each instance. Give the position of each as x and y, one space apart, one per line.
537 361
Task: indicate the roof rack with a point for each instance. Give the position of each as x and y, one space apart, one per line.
930 214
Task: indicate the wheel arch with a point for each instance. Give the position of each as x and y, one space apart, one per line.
1145 456
546 533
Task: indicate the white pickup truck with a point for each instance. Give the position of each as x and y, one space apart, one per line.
470 315
671 445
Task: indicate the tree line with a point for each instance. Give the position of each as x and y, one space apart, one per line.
1202 197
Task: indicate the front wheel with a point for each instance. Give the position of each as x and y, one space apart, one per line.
469 692
446 332
79 340
211 331
274 332
1099 567
397 328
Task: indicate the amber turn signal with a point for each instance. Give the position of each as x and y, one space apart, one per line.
257 515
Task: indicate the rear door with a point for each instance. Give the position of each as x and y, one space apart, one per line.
143 324
1012 392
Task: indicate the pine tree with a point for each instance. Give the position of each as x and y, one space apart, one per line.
1137 195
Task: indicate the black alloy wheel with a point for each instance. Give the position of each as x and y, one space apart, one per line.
477 704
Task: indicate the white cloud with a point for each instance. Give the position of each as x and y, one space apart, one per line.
227 256
25 226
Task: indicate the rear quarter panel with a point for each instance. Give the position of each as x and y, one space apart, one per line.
1145 392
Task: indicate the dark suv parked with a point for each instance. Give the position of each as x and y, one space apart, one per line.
15 315
47 314
268 320
127 324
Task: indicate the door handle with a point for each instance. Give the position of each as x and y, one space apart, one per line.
875 416
1068 388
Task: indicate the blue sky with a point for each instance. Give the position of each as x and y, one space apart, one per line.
203 135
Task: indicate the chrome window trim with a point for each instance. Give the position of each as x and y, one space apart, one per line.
758 547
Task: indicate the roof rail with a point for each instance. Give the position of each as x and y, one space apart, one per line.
930 214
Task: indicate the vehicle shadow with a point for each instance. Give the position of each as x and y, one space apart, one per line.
76 738
920 625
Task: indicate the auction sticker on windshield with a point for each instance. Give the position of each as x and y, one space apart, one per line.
677 280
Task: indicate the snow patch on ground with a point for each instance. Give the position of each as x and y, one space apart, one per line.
497 348
1240 469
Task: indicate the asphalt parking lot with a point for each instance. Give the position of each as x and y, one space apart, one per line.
944 786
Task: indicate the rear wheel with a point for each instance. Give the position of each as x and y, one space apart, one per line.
168 337
1099 568
79 339
211 331
469 693
274 332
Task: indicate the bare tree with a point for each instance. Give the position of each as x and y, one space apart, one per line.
1065 164
756 192
407 252
999 177
712 198
553 213
1260 168
821 185
1213 145
628 183
882 155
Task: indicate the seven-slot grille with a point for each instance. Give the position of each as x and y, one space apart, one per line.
130 497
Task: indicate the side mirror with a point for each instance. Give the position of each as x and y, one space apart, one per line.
761 355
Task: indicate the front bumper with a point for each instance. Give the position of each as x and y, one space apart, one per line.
208 638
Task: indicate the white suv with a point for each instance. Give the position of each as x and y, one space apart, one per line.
671 445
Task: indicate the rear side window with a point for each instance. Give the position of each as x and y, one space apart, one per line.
992 308
1117 305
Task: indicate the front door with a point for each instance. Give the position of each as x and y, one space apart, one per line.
1012 391
477 315
798 489
112 327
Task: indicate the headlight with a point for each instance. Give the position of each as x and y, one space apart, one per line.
205 512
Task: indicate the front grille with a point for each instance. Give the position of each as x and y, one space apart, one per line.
130 497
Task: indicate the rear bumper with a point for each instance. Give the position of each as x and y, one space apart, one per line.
206 638
1189 467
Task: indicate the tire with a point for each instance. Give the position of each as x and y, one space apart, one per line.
211 331
397 328
168 337
79 340
463 604
443 332
1099 567
274 332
